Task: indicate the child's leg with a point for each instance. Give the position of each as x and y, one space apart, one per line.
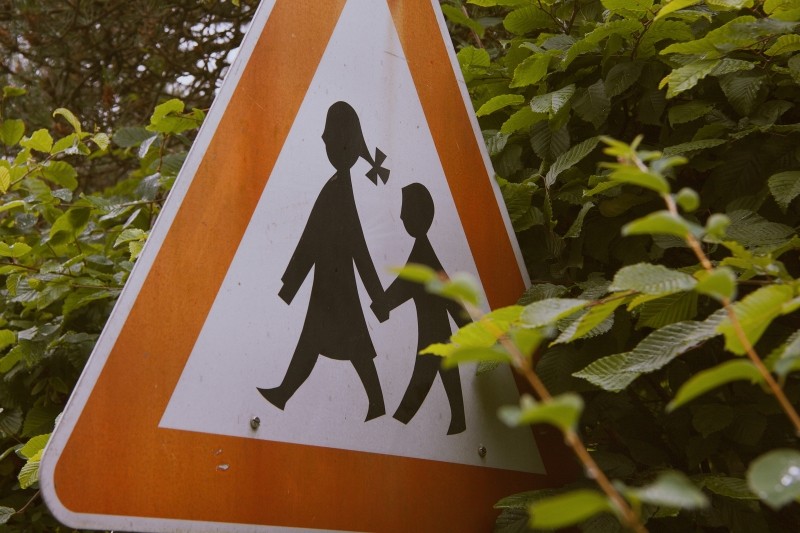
451 380
425 370
369 378
303 361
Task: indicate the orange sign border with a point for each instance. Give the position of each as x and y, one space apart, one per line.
117 461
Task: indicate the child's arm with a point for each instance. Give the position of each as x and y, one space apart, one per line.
459 314
299 266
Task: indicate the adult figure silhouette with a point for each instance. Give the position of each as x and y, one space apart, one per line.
333 242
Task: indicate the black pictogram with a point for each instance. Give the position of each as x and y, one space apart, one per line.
333 243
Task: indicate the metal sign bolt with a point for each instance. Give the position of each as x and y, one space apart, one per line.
482 450
255 422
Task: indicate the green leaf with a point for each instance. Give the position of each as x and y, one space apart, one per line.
720 283
742 90
775 477
673 6
18 249
40 420
688 199
574 230
530 71
651 279
755 313
11 91
569 159
785 187
522 120
671 489
29 474
102 140
552 102
621 6
416 273
561 411
456 16
730 487
692 146
684 78
526 19
661 223
5 179
702 382
61 173
688 112
11 131
593 104
711 418
786 358
499 102
550 311
129 137
633 176
621 77
458 356
69 117
608 373
5 514
784 44
7 338
568 509
10 422
34 446
754 231
40 140
585 324
549 143
136 234
73 222
667 310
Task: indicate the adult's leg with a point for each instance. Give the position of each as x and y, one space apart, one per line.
425 369
452 386
365 367
303 361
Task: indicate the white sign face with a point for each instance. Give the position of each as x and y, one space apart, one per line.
253 339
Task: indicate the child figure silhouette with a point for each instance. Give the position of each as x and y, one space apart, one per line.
432 314
333 244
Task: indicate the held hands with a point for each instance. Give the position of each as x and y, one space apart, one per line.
380 309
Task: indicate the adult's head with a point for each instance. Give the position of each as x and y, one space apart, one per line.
344 141
417 210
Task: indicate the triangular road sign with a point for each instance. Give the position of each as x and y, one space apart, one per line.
261 325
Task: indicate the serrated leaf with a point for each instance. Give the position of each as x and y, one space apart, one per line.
730 487
775 477
550 311
456 16
552 102
526 19
499 102
707 380
574 230
130 234
568 509
608 374
667 310
754 313
11 131
651 279
671 489
593 104
531 70
617 6
29 473
785 187
586 323
548 143
754 231
40 420
61 173
634 176
522 120
458 356
69 117
688 112
786 358
661 223
673 6
742 90
129 137
10 422
5 514
720 283
40 140
561 411
18 249
621 77
34 446
570 158
684 78
102 140
784 44
692 146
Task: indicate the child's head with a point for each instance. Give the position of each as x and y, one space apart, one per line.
344 141
417 210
